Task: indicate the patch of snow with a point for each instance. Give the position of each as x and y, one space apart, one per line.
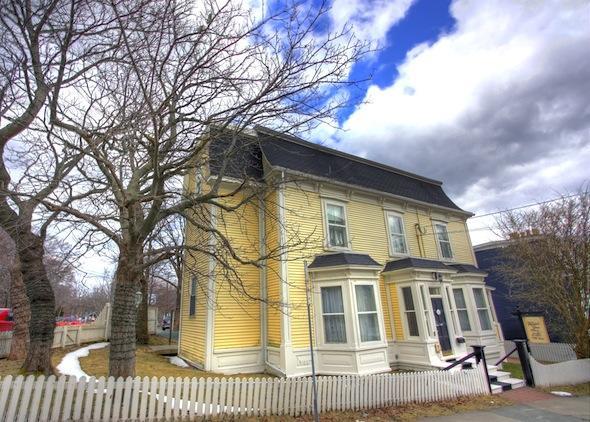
562 393
175 360
70 364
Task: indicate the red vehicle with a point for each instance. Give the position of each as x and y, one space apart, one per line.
6 322
68 320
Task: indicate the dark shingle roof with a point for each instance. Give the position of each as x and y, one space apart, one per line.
297 155
343 258
242 161
467 268
414 263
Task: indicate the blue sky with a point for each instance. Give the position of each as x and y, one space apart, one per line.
488 97
425 21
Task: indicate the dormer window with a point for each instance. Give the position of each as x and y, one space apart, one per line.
336 225
444 243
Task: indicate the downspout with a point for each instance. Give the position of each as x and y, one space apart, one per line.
419 236
263 286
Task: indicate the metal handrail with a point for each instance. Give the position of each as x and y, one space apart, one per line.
463 359
506 357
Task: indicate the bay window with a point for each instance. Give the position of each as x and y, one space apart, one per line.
397 238
444 243
410 311
367 313
482 309
462 309
336 225
333 315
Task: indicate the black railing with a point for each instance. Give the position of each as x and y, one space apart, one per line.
506 356
479 356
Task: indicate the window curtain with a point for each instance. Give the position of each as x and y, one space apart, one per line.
396 230
336 225
333 310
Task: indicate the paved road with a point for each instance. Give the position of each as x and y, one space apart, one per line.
548 410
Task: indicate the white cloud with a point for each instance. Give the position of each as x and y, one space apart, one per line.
498 109
370 19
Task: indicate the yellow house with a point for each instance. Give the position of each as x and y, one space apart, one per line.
390 267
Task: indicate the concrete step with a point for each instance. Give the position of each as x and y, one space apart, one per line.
505 384
500 375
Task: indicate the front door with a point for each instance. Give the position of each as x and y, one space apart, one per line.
441 325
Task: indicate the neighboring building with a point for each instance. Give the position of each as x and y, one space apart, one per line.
489 257
394 276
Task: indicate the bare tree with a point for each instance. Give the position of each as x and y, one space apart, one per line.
42 50
185 84
548 262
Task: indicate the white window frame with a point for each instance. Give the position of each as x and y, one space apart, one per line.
452 310
325 204
430 323
438 241
375 312
390 234
486 308
343 313
406 311
466 309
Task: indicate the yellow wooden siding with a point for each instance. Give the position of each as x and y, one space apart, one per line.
397 315
304 231
460 242
237 310
193 328
272 273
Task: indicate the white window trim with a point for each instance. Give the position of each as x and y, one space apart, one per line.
440 254
487 308
466 309
378 312
343 313
392 253
325 203
415 310
320 333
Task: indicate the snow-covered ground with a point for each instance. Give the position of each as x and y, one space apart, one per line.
70 364
175 360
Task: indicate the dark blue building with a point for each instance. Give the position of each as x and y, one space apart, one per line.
489 256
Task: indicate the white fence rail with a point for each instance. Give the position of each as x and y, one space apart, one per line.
550 352
144 399
562 373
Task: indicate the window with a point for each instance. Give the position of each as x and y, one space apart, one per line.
410 312
333 314
192 308
462 310
367 313
397 238
451 309
426 313
336 222
444 243
482 309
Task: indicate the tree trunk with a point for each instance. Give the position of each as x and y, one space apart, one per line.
21 312
142 334
42 304
122 351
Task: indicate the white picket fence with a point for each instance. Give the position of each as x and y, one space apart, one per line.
563 373
550 352
144 399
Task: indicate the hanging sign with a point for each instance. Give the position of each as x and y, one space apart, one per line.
535 328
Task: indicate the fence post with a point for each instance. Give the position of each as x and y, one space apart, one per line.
523 354
481 357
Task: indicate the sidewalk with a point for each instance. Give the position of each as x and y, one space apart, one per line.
531 405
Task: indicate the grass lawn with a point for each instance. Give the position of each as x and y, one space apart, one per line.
514 368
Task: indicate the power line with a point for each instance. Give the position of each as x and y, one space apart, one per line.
525 206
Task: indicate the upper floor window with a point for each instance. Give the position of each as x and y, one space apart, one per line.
333 315
336 225
444 243
397 238
367 312
482 309
192 308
